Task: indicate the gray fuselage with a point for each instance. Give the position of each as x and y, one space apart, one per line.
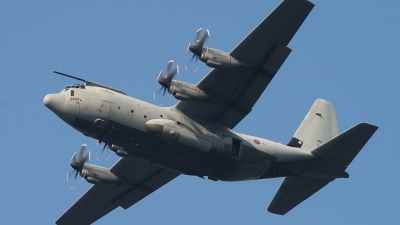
184 143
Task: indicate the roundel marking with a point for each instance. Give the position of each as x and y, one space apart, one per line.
256 141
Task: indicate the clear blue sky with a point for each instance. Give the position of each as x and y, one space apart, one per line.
346 52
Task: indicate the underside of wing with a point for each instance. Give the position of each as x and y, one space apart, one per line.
234 92
293 191
142 179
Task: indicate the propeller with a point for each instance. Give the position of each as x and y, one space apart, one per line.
165 82
102 151
78 163
197 49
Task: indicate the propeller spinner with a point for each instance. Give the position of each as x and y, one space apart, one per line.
108 146
77 163
165 82
197 49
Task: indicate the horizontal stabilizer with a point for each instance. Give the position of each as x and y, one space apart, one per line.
293 191
343 148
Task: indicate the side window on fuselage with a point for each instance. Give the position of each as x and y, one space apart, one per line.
72 93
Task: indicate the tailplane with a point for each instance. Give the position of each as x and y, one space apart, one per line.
318 133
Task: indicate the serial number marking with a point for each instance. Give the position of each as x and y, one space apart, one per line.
74 99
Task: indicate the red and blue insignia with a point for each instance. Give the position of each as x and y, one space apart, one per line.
256 141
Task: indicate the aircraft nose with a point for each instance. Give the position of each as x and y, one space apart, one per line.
55 102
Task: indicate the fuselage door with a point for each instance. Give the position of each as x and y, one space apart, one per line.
233 147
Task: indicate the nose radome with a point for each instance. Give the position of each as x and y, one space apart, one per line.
55 102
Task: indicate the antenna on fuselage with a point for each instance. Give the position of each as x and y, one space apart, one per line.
76 78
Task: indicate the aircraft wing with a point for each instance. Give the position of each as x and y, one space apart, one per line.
265 49
99 200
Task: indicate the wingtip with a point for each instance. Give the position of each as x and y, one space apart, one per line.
368 125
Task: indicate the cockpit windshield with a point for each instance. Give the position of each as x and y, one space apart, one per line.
77 86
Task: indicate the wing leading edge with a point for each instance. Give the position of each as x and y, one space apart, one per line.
236 91
101 199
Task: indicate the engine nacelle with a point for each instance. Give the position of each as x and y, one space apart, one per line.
218 59
187 92
99 175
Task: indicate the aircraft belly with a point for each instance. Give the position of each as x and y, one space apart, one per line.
174 156
197 151
193 155
184 159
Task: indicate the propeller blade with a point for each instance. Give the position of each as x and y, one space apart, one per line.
201 42
76 174
73 182
168 68
104 147
157 92
172 75
73 157
109 155
198 35
158 77
87 156
81 152
187 49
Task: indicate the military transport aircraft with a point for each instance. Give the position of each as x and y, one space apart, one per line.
195 137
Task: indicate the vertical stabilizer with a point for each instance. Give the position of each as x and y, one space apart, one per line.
319 126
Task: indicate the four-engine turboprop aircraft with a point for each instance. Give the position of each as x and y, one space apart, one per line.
195 137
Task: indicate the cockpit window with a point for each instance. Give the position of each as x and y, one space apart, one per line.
80 86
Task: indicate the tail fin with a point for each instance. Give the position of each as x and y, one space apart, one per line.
319 126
